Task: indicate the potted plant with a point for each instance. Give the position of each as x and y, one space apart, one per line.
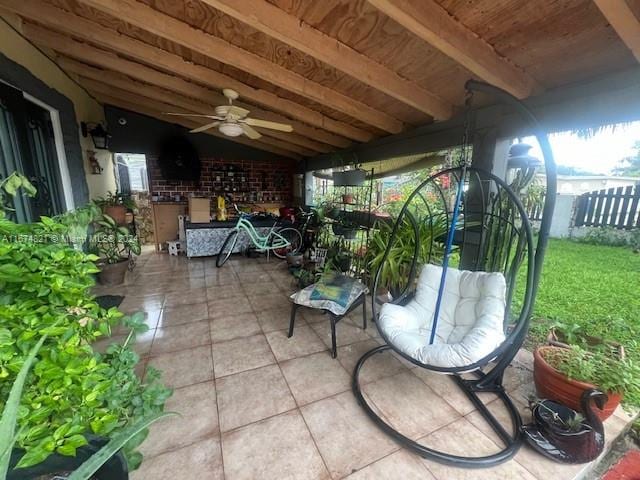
564 435
564 374
99 459
114 244
115 205
74 394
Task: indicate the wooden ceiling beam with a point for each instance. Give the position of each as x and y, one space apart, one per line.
432 23
125 83
69 47
95 33
289 29
163 107
181 33
140 107
624 22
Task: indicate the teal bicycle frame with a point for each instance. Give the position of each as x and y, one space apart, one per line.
272 241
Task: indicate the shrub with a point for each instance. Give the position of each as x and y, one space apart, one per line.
72 391
612 237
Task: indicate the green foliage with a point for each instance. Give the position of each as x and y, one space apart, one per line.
593 286
10 411
10 186
113 242
600 367
112 199
72 390
611 237
396 268
93 464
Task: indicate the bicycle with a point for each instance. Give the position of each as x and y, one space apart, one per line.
279 240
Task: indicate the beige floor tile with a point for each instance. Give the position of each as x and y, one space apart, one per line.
198 420
247 265
516 375
314 377
185 297
303 342
345 333
259 289
182 314
409 405
277 319
222 292
347 439
401 465
313 315
132 303
236 326
185 286
275 300
199 461
250 396
241 354
226 278
446 387
380 365
228 307
247 277
462 438
181 337
185 367
279 447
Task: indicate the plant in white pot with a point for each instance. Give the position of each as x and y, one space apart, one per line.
114 244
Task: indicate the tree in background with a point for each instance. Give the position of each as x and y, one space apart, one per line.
630 166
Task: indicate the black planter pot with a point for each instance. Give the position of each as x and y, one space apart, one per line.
343 263
113 273
114 469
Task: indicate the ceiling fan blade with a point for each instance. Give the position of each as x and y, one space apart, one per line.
192 115
267 124
238 112
205 127
250 132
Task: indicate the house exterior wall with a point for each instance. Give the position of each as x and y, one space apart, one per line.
574 185
41 78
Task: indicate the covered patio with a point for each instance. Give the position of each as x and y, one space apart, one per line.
351 83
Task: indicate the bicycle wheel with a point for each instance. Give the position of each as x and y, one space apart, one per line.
292 236
227 248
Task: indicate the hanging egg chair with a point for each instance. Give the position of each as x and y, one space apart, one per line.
470 270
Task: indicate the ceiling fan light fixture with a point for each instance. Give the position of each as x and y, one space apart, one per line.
231 129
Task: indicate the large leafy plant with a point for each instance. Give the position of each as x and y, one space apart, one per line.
9 187
114 243
395 270
72 391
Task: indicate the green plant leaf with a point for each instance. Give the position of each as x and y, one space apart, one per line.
93 464
10 412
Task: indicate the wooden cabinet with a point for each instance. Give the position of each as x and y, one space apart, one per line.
165 221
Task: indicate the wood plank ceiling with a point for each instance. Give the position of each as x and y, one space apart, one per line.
338 71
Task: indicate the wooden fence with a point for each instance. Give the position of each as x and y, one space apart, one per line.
614 207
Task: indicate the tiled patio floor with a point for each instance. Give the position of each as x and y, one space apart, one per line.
256 405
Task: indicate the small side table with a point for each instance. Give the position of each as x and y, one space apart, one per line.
355 301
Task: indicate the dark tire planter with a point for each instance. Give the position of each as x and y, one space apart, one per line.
553 385
117 212
113 273
114 469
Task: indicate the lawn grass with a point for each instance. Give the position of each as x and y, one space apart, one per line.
597 287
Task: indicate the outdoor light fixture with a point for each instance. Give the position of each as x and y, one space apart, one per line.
98 134
522 164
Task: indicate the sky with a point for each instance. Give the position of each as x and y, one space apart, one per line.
599 154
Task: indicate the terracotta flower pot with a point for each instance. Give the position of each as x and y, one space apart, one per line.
117 212
553 385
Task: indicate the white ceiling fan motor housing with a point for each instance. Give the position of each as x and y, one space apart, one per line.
231 129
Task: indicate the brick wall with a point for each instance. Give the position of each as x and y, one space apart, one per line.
264 181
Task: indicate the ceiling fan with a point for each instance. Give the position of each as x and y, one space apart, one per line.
233 121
